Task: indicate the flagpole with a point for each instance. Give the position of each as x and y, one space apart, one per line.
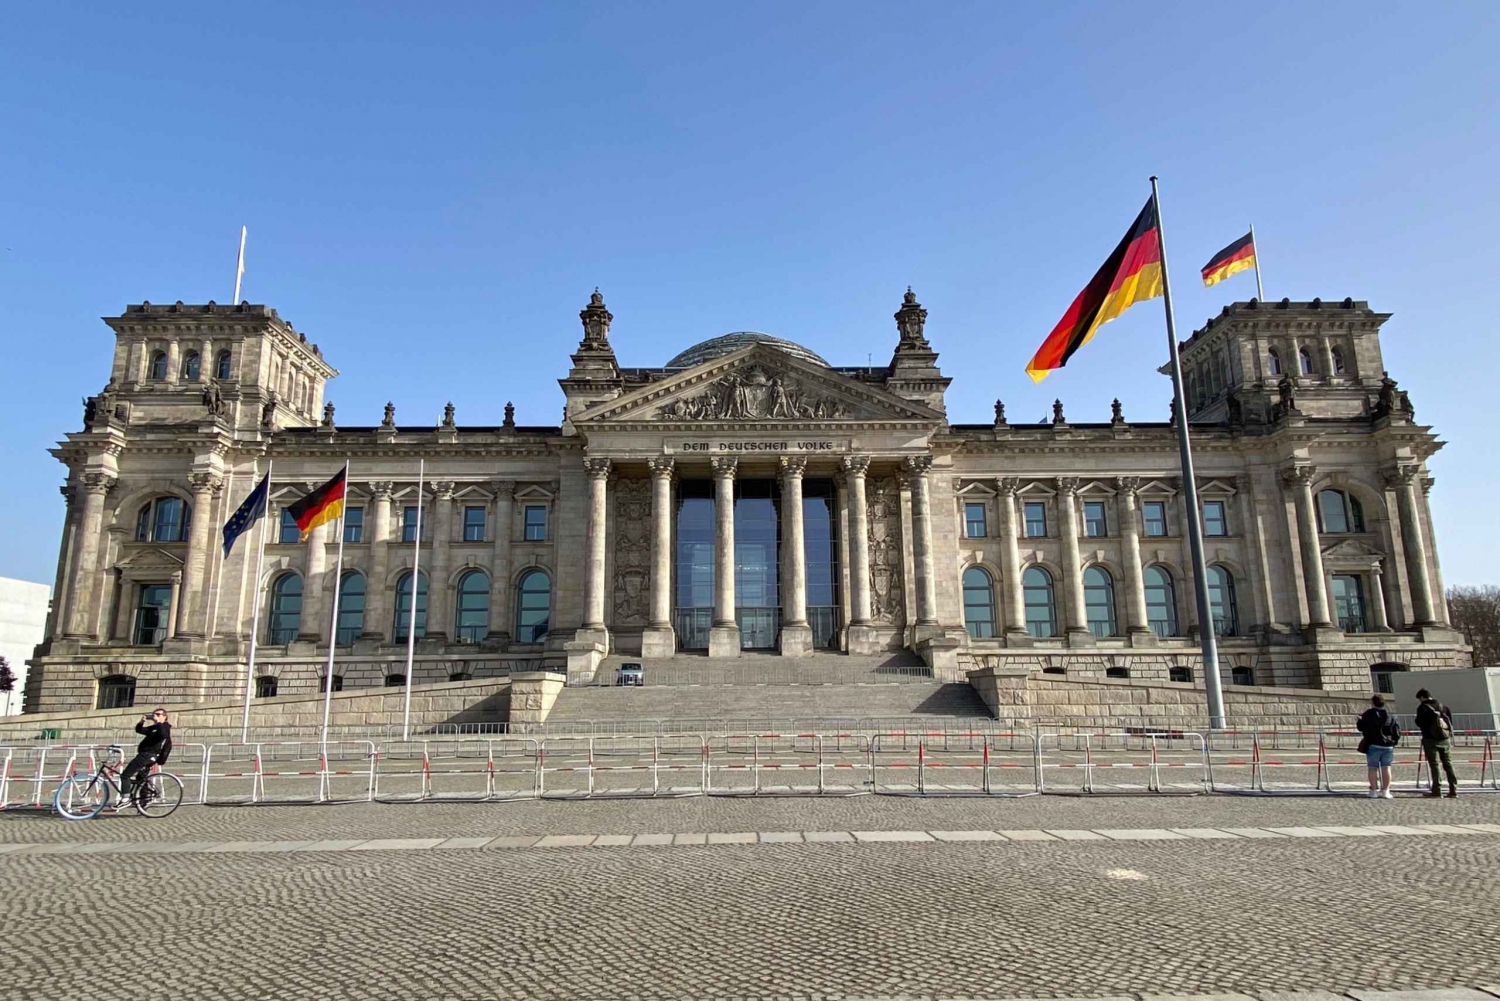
416 589
333 629
1260 291
260 559
239 266
1211 681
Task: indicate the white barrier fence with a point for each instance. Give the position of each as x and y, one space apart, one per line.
997 762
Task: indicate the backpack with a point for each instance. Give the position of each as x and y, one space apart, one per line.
1390 732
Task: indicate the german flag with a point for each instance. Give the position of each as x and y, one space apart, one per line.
1132 274
1238 256
322 505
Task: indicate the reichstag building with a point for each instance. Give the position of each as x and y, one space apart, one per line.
745 496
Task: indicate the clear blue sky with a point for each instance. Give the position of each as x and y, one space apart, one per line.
432 196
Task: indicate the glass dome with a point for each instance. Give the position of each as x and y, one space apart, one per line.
718 347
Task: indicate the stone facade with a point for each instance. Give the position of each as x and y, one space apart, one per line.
1053 547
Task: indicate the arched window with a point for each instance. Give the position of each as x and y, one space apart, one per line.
157 371
116 691
221 366
1041 610
533 606
1242 676
1221 601
1338 362
351 607
979 604
473 607
1099 601
1340 512
1273 361
395 680
286 609
1161 602
165 519
1117 672
1180 674
1304 361
403 606
338 682
192 364
265 686
1380 675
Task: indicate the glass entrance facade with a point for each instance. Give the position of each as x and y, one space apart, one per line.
757 564
695 563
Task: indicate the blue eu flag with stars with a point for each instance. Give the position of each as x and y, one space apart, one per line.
248 514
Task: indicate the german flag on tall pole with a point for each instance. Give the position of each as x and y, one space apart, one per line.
1132 274
322 505
1238 256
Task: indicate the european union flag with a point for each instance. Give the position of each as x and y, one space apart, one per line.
248 514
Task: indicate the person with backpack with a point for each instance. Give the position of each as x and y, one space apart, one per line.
1380 733
1436 723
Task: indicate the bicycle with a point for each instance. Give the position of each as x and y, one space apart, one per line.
82 797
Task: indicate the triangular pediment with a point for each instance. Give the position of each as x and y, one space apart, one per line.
1351 551
150 558
760 384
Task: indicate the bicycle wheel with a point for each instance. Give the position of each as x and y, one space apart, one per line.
81 797
158 795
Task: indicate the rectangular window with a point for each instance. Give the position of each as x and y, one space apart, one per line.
1036 520
409 524
151 615
1095 526
974 526
1156 517
1213 518
290 533
354 524
536 523
1349 602
473 524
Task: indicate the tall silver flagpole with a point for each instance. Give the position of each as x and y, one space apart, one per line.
1211 681
416 589
1260 291
260 560
333 629
239 267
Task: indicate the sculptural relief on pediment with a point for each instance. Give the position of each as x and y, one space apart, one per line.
756 393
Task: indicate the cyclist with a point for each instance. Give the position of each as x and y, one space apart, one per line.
154 748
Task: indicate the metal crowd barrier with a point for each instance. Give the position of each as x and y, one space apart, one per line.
944 763
1130 762
301 771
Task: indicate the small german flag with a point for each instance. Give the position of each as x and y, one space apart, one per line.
1132 274
1238 256
322 505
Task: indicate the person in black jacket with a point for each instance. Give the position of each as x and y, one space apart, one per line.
1436 723
154 749
1380 733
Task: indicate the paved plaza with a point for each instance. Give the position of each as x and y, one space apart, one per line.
862 897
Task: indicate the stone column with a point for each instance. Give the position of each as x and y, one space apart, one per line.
439 596
192 619
1067 495
500 600
317 594
1010 559
376 610
1403 480
82 616
724 634
1299 479
1377 601
659 639
1130 534
176 603
796 633
861 634
593 587
921 524
120 628
174 359
1325 356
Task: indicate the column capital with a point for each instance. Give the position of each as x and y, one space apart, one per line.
724 466
793 466
443 489
98 482
1299 474
917 465
597 468
1243 482
382 489
856 465
1400 475
1008 485
203 483
662 465
1128 485
503 488
1068 485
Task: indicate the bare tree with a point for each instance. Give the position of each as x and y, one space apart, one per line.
1475 612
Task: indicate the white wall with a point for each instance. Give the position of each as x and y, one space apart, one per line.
23 620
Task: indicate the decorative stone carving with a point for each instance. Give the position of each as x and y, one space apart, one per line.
596 319
443 489
1000 420
97 483
725 465
1057 413
911 321
510 415
382 489
793 466
917 465
1127 484
754 393
1299 475
597 468
857 463
1116 412
448 416
268 414
632 532
884 518
661 465
1068 484
213 401
328 414
388 422
204 482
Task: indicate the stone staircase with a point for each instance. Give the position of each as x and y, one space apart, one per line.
694 693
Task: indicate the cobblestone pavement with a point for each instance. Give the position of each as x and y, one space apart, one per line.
846 919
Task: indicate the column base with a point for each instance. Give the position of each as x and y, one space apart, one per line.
863 641
1141 636
796 639
658 641
1080 637
724 641
597 635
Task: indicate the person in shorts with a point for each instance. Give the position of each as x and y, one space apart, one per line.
1379 735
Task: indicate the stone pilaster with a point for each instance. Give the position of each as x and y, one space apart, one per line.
500 599
1130 536
724 634
862 638
796 634
439 594
659 639
594 548
917 467
317 590
377 611
1010 560
1403 480
1299 480
192 618
82 617
1378 620
1077 618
